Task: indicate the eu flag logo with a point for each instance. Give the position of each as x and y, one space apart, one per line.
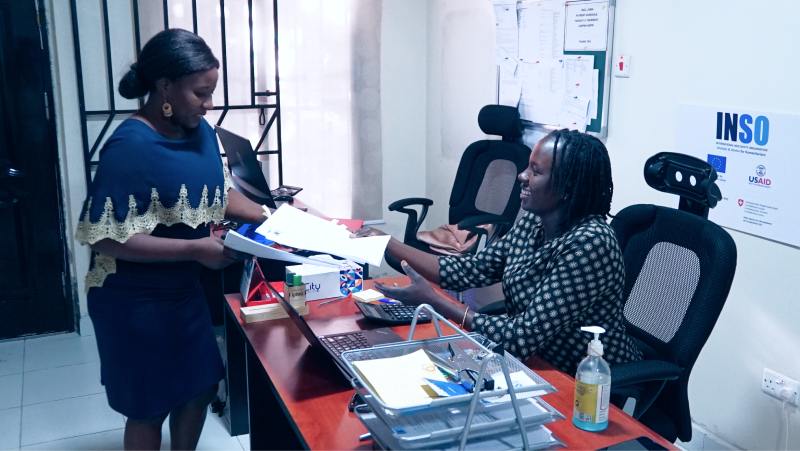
718 162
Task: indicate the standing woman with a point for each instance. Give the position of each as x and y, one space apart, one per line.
159 185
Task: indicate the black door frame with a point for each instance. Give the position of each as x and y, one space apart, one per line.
69 288
52 150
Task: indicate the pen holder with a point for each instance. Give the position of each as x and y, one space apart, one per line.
294 294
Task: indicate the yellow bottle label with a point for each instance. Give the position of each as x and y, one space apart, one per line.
591 402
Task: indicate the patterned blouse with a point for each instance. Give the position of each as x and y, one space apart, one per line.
552 289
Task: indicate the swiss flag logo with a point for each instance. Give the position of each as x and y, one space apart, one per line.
741 202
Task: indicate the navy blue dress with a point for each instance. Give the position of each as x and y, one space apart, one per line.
154 334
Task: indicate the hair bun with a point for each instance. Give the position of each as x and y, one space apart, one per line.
132 86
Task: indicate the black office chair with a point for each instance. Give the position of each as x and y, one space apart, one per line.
485 190
679 268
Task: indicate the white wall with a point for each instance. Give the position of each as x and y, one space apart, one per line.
460 77
403 111
728 53
70 145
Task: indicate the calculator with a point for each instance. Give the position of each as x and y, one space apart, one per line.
390 314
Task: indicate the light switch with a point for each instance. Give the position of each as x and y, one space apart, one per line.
622 66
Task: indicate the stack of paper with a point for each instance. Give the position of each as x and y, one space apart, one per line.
294 228
400 381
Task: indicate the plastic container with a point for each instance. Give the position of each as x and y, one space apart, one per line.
592 387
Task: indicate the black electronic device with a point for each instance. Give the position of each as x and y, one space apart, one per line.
246 173
335 344
637 444
390 314
286 190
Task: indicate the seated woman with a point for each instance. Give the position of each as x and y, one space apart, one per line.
561 266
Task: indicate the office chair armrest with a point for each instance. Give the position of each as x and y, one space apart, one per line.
399 204
642 381
412 223
473 222
631 373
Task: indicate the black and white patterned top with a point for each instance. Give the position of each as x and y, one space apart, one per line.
552 289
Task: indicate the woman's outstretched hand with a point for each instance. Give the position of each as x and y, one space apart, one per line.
419 292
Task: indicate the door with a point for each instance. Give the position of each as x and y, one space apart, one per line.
33 297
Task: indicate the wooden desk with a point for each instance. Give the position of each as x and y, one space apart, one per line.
297 400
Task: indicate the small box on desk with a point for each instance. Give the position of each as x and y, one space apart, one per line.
324 282
268 312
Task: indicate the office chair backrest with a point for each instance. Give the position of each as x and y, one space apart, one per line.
486 180
679 269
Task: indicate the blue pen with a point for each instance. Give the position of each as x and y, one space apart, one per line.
388 301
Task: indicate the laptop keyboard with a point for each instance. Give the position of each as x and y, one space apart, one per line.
340 343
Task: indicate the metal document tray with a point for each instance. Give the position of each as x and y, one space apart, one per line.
478 418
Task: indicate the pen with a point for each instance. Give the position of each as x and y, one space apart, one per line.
332 300
363 437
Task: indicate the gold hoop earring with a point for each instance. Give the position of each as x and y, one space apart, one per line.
166 108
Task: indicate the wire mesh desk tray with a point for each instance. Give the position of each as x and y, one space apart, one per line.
504 418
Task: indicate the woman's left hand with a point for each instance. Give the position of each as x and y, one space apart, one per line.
419 292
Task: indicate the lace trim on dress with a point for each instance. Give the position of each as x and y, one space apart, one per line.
108 227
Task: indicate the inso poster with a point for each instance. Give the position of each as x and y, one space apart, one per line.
756 155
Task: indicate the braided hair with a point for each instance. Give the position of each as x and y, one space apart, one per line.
581 173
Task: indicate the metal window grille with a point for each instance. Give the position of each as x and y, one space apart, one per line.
90 148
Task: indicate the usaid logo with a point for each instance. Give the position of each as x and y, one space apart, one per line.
733 127
761 171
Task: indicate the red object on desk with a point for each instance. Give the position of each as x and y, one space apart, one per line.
351 224
316 401
258 293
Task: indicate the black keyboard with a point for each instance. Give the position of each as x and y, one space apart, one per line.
340 343
390 314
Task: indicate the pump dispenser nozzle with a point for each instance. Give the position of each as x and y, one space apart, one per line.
595 346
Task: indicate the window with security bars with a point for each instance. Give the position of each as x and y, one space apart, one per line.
108 36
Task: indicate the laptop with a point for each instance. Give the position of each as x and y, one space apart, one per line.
246 172
335 344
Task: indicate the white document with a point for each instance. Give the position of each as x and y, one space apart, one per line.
508 62
505 13
541 30
294 228
542 91
510 88
520 380
586 26
595 94
240 243
578 75
506 35
574 111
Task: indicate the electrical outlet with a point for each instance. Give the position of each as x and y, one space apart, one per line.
773 383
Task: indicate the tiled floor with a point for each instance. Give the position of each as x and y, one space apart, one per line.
51 398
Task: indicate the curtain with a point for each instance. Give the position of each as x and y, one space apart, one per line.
329 62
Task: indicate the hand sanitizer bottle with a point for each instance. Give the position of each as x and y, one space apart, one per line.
592 387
